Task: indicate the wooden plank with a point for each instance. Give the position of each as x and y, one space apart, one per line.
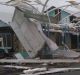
40 61
17 67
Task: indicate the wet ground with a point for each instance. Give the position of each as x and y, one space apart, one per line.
6 71
67 73
9 71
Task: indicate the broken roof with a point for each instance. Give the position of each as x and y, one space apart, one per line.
56 3
2 24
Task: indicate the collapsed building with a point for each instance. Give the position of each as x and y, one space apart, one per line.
28 39
33 37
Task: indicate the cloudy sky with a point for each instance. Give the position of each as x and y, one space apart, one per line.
6 12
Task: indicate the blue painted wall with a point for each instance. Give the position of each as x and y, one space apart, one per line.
52 13
64 14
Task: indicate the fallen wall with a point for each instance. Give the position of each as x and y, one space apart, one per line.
27 33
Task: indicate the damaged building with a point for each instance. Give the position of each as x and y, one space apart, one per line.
64 17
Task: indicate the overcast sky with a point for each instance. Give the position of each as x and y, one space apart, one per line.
6 12
56 3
